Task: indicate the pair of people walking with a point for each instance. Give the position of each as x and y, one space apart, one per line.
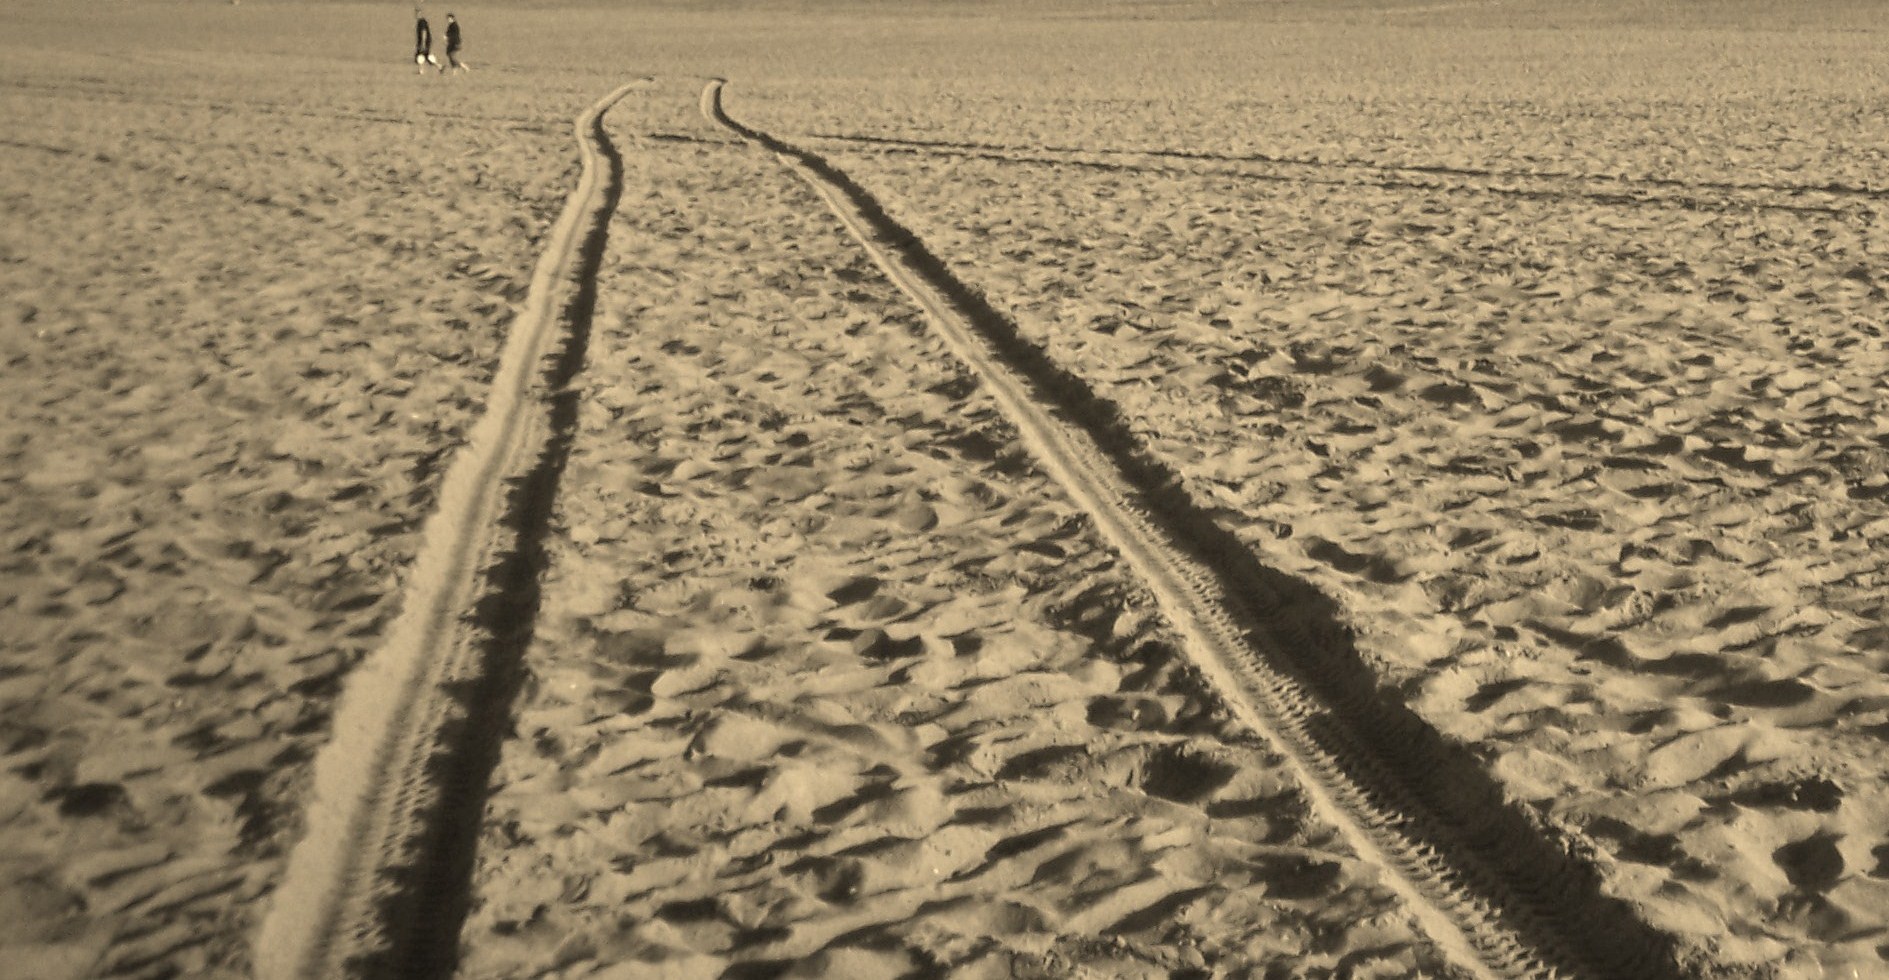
423 44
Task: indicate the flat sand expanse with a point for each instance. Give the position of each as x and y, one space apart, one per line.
252 302
831 681
1571 395
1547 341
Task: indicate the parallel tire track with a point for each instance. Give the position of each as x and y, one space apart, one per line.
380 781
1501 894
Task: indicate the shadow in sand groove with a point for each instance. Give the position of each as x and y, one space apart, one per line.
423 917
1430 802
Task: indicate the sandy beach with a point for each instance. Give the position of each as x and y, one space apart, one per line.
1317 489
241 339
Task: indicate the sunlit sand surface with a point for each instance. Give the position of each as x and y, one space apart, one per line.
1546 341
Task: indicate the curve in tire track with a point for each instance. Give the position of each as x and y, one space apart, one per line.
1503 895
385 770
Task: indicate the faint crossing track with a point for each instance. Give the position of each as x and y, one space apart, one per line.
1829 200
1502 896
375 784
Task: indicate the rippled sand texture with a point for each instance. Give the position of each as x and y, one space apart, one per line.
1555 355
245 321
1571 393
830 680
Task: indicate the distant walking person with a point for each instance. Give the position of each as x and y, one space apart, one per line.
452 45
423 43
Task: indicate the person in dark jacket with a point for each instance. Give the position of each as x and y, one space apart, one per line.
453 40
423 43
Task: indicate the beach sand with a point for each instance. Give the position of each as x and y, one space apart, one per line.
244 327
1554 358
830 678
1586 444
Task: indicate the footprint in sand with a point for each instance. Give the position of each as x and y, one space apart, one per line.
1812 865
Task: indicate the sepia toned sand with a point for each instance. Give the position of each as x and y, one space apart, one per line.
1589 445
831 681
244 325
1640 567
1546 340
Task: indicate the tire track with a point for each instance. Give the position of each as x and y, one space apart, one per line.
375 885
1545 185
1501 894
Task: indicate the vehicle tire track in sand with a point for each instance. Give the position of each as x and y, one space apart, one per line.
390 782
1496 890
1623 191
